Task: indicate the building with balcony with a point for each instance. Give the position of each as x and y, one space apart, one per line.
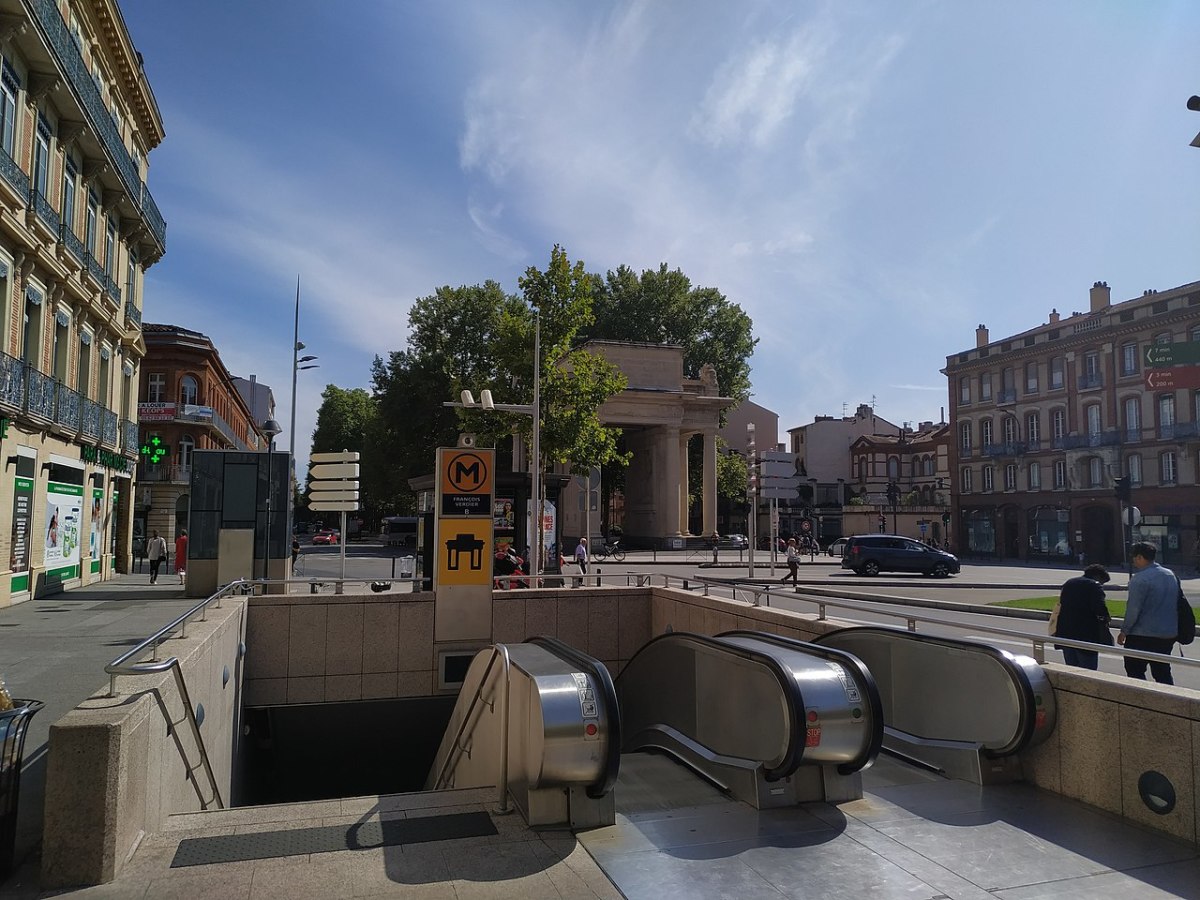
189 402
1044 420
78 229
918 463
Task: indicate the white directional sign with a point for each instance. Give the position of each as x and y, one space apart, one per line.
776 493
341 456
330 496
334 470
772 468
333 507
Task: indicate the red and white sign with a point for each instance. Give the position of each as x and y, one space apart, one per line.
156 412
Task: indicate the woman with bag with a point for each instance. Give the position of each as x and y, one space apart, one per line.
1081 615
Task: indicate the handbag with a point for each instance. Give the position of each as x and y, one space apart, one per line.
1053 625
1187 619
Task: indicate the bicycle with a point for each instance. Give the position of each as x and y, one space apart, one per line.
614 549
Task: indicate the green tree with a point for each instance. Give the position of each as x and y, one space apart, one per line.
344 419
662 307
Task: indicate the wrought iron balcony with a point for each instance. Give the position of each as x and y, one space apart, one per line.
133 315
110 288
39 394
44 210
1012 448
129 438
91 419
66 54
1090 380
223 427
164 474
108 427
71 241
1177 431
67 411
1003 398
12 382
1098 439
13 174
94 267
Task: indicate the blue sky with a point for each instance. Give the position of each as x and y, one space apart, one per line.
868 180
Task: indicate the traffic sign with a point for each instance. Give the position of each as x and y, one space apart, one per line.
333 506
1133 516
770 492
772 468
1159 355
1177 378
334 470
340 456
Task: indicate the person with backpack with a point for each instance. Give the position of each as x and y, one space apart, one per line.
1151 621
1083 616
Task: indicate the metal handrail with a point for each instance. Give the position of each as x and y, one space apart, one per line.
499 651
878 607
122 666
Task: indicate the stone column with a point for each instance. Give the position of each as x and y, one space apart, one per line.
710 483
684 437
666 486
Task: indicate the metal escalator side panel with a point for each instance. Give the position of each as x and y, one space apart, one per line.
840 688
947 689
736 703
552 706
608 710
483 722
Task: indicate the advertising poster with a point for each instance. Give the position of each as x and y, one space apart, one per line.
503 522
22 516
64 514
96 522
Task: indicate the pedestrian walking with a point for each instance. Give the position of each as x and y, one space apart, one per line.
716 543
793 563
1081 615
1151 621
156 552
581 558
181 545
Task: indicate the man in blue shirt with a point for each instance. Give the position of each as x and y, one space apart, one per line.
1151 620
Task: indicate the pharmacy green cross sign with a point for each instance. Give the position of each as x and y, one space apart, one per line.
155 450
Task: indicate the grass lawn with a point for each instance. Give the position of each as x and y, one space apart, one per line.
1115 607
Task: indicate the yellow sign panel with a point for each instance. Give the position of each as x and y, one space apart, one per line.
465 483
464 552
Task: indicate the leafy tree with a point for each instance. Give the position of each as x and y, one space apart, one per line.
343 420
661 306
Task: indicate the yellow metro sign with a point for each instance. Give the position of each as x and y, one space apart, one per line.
466 479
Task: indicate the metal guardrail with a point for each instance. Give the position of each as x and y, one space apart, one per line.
1037 642
122 666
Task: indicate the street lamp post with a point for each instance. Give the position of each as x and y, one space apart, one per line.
271 429
526 409
297 361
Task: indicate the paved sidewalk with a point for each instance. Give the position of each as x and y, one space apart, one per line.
54 649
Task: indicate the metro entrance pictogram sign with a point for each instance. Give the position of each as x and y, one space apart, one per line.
467 478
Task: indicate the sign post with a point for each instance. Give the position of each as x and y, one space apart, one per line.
334 488
464 544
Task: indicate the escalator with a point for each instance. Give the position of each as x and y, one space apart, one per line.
770 721
963 708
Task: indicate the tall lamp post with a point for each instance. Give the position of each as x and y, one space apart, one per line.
526 409
271 429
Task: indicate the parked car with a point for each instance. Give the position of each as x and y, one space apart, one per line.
733 542
838 547
326 536
870 554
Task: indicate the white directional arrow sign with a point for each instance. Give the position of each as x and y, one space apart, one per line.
341 456
773 468
348 506
328 496
334 470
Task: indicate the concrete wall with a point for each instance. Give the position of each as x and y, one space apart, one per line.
115 771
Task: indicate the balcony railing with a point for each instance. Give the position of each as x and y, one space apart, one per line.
66 53
1090 380
1178 430
110 288
68 410
13 174
91 419
39 394
161 473
1012 448
71 241
1005 397
129 438
44 210
1098 439
94 268
12 382
133 315
108 427
223 427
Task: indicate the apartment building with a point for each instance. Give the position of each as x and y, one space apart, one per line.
78 228
917 462
189 402
1043 421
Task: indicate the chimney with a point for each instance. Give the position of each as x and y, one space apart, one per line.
1054 317
1100 296
981 336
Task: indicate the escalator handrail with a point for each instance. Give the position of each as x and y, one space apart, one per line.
844 658
608 692
1020 679
794 754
